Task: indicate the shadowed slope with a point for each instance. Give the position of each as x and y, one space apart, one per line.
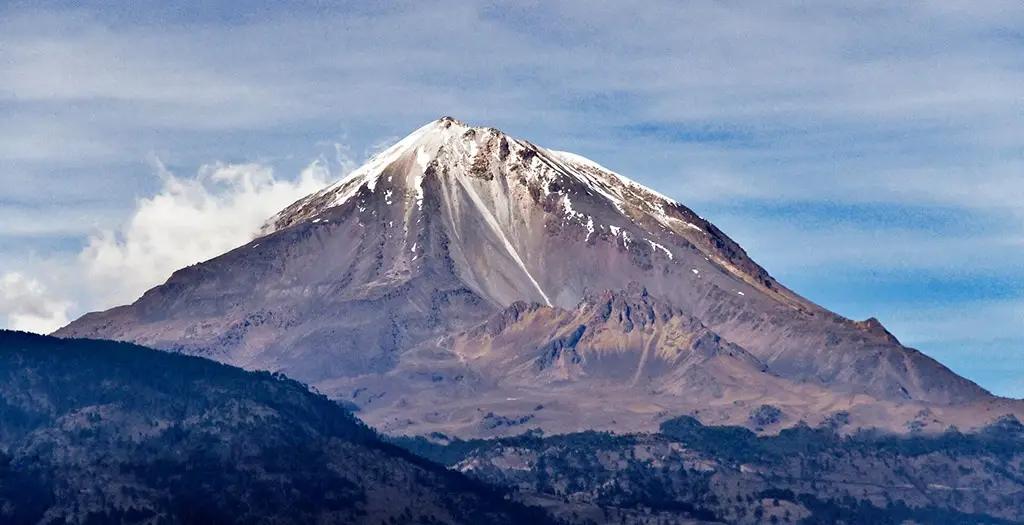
104 432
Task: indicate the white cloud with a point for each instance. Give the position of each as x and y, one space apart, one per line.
29 305
188 221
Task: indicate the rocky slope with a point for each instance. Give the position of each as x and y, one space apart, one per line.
376 289
631 340
103 432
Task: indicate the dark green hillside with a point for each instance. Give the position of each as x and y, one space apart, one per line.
803 475
103 432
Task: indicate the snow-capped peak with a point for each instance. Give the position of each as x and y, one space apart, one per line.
421 146
487 190
425 141
455 147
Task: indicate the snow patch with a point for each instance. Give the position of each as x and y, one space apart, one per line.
567 206
569 210
686 224
615 187
583 169
369 173
571 213
656 246
422 158
418 182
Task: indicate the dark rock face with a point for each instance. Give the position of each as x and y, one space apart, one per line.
105 432
375 278
765 415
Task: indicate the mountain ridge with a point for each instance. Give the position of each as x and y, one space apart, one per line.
108 432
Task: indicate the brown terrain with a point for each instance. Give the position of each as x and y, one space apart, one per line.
475 284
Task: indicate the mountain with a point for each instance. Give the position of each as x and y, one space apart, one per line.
401 289
97 432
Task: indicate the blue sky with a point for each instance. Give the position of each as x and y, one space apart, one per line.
869 154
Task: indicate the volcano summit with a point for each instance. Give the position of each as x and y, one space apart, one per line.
469 282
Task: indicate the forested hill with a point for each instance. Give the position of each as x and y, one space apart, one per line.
803 475
103 432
